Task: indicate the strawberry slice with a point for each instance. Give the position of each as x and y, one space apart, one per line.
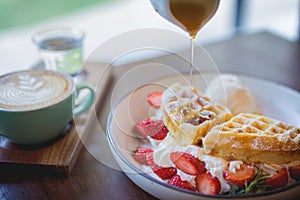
241 176
154 99
295 172
153 128
161 134
187 163
165 172
279 179
178 182
162 172
140 155
207 184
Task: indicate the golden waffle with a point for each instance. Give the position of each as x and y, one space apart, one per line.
189 115
254 138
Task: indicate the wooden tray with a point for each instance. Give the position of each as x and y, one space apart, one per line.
60 154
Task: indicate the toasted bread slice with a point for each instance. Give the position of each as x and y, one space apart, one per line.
189 115
254 138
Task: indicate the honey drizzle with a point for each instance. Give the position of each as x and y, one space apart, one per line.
193 14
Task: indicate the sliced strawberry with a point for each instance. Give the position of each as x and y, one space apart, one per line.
161 134
147 127
165 172
154 99
178 182
140 155
162 172
187 163
241 176
295 172
153 128
279 179
207 184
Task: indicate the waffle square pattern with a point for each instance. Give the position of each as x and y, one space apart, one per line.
189 115
254 138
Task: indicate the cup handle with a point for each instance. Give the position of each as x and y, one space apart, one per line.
85 104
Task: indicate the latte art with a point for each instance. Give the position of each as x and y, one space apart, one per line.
29 90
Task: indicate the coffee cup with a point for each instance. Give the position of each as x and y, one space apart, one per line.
36 105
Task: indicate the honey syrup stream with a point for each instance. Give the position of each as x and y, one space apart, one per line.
193 15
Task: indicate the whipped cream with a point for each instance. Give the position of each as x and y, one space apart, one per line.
162 152
235 165
216 167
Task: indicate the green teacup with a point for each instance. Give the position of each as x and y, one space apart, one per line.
36 105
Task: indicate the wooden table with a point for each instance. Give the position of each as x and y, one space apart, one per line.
263 55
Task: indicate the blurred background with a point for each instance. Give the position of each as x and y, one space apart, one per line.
104 19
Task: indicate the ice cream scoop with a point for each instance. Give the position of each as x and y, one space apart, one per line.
230 91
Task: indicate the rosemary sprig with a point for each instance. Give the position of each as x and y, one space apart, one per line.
254 186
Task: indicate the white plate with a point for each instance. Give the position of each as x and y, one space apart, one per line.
275 100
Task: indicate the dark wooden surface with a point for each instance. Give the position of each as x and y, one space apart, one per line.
262 55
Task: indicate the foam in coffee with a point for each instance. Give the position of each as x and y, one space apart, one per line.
30 90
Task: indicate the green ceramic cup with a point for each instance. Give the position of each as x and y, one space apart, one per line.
36 105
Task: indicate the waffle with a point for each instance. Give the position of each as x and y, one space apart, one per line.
189 115
254 139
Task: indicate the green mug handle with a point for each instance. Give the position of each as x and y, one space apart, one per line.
85 103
